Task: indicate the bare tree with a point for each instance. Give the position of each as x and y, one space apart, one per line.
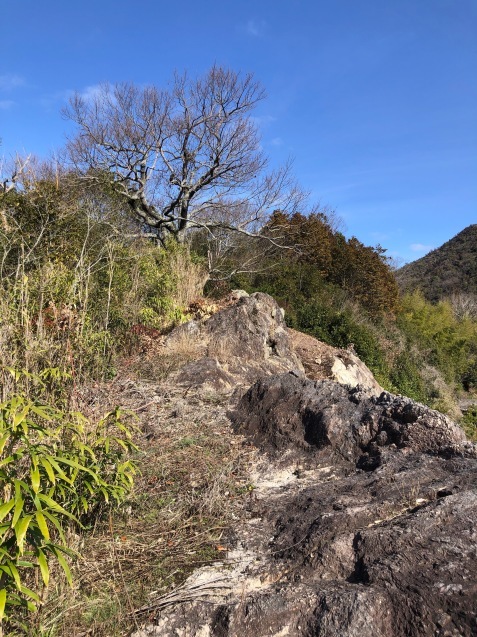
464 305
10 174
183 159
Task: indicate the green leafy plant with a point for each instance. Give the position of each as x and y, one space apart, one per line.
469 423
56 469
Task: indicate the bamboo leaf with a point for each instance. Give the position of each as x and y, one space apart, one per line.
25 487
58 469
30 593
4 528
105 494
20 530
64 565
35 479
49 471
19 502
19 417
76 465
53 504
3 441
3 601
45 412
43 564
42 525
89 451
15 574
57 507
89 487
6 508
25 563
15 373
55 523
6 461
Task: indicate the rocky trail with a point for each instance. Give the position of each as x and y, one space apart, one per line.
362 507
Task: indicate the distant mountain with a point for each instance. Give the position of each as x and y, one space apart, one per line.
452 268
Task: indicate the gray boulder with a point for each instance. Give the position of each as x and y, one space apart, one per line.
246 340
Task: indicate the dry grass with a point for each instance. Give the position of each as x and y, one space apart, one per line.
444 399
192 488
183 343
191 278
159 358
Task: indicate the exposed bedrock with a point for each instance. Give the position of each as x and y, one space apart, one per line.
249 340
239 344
287 413
362 520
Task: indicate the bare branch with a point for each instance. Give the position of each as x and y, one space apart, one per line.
183 160
16 171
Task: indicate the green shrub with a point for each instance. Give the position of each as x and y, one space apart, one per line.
445 340
406 378
469 376
341 328
56 469
469 423
60 258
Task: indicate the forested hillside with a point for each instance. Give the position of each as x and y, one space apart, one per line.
447 271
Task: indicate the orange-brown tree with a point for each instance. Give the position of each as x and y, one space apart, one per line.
319 251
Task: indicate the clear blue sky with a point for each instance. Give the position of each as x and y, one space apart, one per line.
376 100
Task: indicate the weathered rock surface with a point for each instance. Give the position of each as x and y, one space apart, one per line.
287 413
249 339
324 362
239 344
362 519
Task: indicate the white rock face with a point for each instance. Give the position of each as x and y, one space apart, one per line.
324 362
353 372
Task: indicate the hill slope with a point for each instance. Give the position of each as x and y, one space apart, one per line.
446 270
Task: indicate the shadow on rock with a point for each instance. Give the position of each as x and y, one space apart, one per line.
361 522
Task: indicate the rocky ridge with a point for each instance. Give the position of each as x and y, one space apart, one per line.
239 344
362 519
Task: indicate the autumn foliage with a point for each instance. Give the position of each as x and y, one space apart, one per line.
315 251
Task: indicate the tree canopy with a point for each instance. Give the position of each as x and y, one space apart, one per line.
184 158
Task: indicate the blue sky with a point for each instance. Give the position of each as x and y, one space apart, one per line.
376 100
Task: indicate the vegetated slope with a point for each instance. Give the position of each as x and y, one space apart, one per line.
345 294
449 269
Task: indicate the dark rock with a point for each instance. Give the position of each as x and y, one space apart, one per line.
362 520
290 413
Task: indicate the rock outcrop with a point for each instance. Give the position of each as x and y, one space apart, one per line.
324 362
362 516
237 345
323 418
249 339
